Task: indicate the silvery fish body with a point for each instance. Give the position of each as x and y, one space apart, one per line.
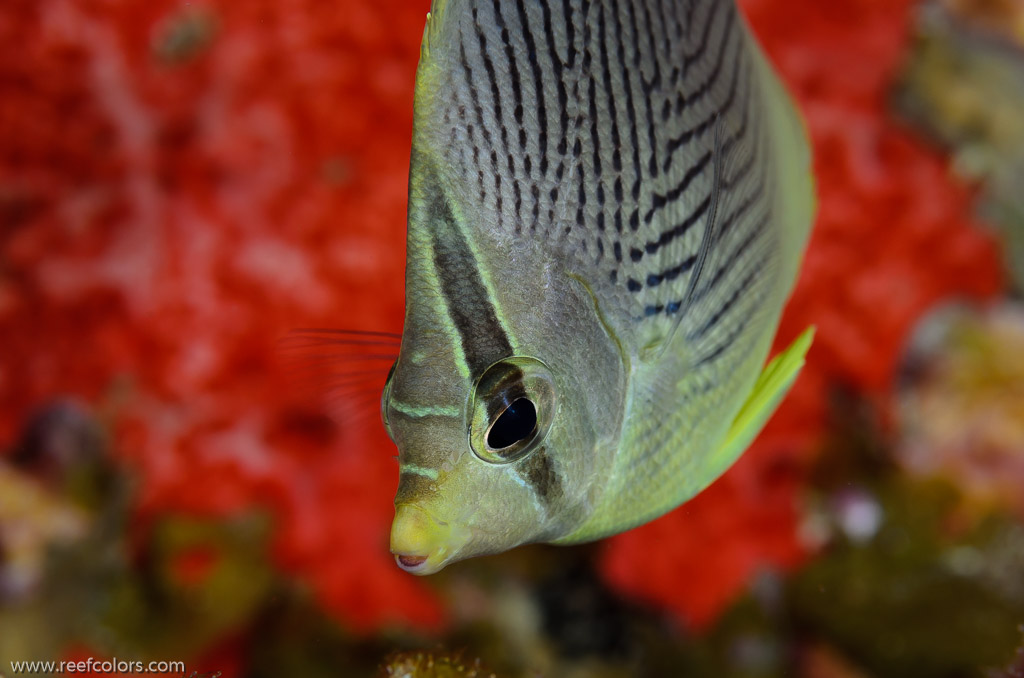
608 205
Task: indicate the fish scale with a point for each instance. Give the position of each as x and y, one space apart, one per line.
608 206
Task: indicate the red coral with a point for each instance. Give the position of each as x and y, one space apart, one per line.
179 186
893 236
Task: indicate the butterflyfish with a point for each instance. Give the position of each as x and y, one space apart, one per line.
608 205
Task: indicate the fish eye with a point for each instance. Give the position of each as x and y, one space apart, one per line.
513 425
512 407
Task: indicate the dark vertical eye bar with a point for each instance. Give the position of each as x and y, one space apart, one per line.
481 334
540 472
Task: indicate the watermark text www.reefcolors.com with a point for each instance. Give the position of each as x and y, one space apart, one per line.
111 666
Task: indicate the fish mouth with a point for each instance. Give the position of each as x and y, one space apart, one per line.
416 564
410 563
421 543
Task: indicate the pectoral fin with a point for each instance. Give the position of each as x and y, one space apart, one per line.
769 390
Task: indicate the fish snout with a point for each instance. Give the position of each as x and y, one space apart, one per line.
421 543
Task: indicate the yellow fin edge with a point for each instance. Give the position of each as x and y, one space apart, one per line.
770 388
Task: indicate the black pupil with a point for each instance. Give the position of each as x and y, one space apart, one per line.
515 423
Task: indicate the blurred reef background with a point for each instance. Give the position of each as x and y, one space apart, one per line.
183 183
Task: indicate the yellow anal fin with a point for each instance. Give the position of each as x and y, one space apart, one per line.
769 390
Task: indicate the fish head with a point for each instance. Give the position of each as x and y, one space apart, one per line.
501 441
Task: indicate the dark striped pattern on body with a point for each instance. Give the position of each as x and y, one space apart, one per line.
598 128
590 125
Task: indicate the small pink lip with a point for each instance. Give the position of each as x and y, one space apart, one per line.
410 563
